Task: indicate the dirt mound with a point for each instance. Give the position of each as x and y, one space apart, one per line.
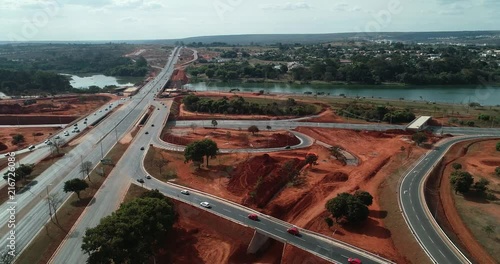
279 140
336 177
494 163
169 138
269 185
247 173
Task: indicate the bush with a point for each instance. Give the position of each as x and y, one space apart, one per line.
329 221
498 146
497 171
457 166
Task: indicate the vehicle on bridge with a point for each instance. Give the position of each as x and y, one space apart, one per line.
205 204
293 230
354 261
253 217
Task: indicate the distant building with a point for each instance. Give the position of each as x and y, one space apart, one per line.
347 62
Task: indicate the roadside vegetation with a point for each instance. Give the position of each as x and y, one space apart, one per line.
132 234
350 208
374 113
199 150
241 106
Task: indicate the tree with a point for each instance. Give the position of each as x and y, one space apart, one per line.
336 151
456 166
56 146
7 258
199 149
132 234
329 221
489 229
54 200
76 186
86 167
365 197
347 208
461 181
419 138
210 73
160 162
22 172
497 171
311 158
18 139
214 123
498 146
193 126
253 129
481 186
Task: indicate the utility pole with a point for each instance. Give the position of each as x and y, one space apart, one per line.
48 202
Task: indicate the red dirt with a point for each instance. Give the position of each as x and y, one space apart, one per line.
477 163
234 176
41 134
235 138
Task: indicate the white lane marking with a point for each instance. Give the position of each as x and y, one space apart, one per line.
242 216
344 256
301 239
226 210
323 248
279 230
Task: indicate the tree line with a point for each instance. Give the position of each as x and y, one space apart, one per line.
18 82
238 105
376 113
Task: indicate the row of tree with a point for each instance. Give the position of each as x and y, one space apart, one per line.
18 82
376 113
238 105
462 181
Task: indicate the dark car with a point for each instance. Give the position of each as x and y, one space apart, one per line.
146 132
287 147
140 180
152 125
142 148
148 177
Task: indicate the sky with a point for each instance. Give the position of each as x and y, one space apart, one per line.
73 20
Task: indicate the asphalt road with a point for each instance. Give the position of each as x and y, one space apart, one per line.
412 202
31 209
113 190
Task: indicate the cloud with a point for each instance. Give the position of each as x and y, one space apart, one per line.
344 7
286 6
129 19
26 4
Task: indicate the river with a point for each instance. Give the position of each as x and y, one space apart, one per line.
83 82
485 95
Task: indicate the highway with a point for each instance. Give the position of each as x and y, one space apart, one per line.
412 202
31 209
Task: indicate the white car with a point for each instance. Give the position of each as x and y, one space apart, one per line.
186 192
57 137
31 147
205 204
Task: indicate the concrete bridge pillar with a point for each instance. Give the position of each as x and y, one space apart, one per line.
258 241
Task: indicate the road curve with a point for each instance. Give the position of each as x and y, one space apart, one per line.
412 202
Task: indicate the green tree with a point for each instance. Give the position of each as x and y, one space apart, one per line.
489 229
365 197
253 129
132 234
210 73
419 138
338 206
481 186
311 159
498 146
329 221
456 166
76 186
199 149
214 123
17 139
461 181
497 171
22 172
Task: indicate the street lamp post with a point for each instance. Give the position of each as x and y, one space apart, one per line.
48 201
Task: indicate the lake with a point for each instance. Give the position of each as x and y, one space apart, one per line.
485 95
85 81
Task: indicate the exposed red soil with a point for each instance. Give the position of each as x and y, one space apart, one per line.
31 136
235 176
477 163
230 138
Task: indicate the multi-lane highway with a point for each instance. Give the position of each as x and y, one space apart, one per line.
31 210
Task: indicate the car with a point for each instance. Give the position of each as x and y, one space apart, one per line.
146 132
293 230
31 147
253 217
158 108
57 137
287 147
152 125
66 133
205 204
46 141
77 130
148 177
142 148
140 180
185 192
85 122
75 125
354 261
